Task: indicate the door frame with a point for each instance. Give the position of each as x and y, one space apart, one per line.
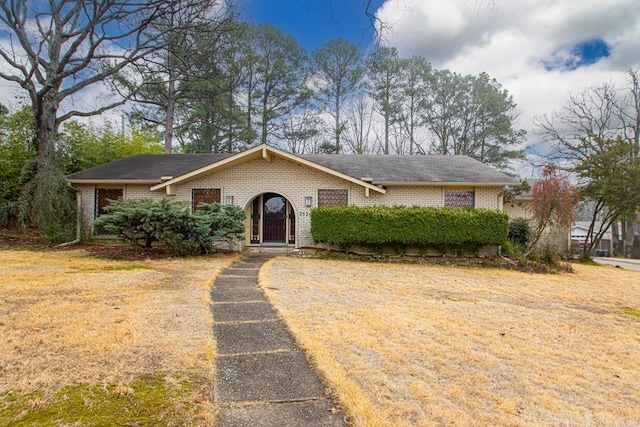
255 236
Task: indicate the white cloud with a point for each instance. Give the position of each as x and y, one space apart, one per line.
511 40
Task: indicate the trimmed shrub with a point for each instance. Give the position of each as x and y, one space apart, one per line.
226 222
146 221
133 220
400 226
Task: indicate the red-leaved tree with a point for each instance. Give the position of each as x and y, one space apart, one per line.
554 201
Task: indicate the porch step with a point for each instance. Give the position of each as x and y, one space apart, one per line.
278 250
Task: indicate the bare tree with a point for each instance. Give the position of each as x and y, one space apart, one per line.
590 112
586 132
360 121
302 132
56 50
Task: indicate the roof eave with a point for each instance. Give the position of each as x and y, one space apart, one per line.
446 184
113 181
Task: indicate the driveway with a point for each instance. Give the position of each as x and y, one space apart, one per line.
626 263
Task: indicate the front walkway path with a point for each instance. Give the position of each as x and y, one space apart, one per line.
262 379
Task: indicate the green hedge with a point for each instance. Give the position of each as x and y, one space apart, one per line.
346 226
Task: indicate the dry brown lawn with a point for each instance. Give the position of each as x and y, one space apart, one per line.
423 345
68 319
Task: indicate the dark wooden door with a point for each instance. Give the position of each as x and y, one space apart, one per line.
274 218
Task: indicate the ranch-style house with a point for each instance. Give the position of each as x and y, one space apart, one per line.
278 189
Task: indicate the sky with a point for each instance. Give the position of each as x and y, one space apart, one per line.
314 22
540 51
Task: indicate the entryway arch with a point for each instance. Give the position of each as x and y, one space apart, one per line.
272 220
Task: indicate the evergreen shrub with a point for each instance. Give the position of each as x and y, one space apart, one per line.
146 221
401 226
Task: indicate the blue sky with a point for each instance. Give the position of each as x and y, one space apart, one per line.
314 22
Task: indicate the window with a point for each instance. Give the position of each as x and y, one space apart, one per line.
204 195
333 197
103 197
459 198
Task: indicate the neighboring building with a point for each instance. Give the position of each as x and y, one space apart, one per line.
579 232
278 189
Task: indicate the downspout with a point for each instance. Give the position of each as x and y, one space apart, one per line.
78 219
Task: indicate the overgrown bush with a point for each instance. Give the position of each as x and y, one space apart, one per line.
514 251
146 221
400 226
520 232
47 204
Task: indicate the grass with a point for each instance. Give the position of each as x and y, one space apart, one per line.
415 345
631 312
144 401
86 341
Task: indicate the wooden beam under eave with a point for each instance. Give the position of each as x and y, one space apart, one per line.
266 155
366 191
171 190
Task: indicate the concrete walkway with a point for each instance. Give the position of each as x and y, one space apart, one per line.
262 379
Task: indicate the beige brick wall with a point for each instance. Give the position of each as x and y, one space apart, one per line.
518 209
557 237
88 192
293 181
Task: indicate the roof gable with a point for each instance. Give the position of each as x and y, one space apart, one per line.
265 152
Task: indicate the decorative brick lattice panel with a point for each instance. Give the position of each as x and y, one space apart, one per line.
459 198
205 195
103 197
333 197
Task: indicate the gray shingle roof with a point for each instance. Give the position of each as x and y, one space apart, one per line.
382 169
412 169
147 167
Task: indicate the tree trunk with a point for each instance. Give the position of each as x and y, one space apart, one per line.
615 241
386 134
338 127
171 111
46 127
265 118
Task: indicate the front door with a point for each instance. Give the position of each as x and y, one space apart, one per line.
274 219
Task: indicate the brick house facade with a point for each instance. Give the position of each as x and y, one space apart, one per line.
278 189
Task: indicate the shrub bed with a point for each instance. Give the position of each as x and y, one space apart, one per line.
442 228
145 221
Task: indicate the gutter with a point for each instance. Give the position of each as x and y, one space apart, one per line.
78 219
445 184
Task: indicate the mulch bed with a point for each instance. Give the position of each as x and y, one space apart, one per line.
109 249
119 250
446 260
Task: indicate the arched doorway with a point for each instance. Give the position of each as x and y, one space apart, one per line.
273 220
